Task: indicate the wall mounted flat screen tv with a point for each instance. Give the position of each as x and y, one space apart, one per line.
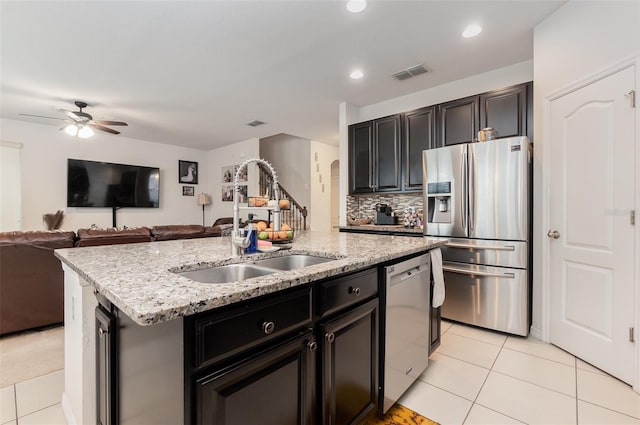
103 184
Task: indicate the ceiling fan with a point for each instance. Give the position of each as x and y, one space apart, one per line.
81 123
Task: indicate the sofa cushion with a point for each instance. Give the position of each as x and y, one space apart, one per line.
47 238
178 231
113 236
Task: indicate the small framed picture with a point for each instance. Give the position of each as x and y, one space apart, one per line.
187 190
187 172
227 174
227 193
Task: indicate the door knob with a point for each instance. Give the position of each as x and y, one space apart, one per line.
553 234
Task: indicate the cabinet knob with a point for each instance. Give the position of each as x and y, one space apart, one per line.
102 332
268 327
354 291
312 346
330 337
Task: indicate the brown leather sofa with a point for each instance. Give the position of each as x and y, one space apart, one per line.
31 279
95 237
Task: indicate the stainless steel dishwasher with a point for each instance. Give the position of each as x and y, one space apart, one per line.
407 315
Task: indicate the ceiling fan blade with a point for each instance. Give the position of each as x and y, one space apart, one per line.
102 128
73 116
42 116
102 122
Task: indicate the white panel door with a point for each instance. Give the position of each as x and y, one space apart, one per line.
591 198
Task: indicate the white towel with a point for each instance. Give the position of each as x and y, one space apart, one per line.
438 278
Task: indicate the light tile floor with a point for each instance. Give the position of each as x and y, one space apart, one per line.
481 377
475 377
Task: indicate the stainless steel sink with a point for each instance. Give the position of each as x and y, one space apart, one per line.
292 262
228 273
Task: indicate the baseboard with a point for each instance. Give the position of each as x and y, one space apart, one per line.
535 333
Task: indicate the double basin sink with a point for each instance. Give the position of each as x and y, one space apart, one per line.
262 267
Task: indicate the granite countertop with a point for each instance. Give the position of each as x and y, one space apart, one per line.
396 228
139 279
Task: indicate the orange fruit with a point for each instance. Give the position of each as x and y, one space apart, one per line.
282 234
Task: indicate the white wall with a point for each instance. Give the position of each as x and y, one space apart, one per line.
289 156
225 156
496 79
579 39
321 157
10 185
44 176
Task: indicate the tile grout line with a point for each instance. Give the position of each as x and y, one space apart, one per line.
15 402
575 370
474 402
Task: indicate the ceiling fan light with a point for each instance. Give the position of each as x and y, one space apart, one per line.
85 132
71 129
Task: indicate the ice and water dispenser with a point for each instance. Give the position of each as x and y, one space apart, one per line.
439 202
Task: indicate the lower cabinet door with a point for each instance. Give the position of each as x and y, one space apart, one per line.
350 365
275 386
106 368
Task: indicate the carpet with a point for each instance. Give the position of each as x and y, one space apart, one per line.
398 415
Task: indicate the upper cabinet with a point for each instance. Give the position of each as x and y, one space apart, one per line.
458 121
385 155
419 135
505 111
374 156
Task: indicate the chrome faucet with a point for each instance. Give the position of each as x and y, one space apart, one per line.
239 241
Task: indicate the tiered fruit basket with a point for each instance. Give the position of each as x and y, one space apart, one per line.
267 233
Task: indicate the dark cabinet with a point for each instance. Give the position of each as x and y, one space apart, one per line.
303 356
386 163
106 368
458 121
374 156
274 386
361 158
419 135
349 365
505 111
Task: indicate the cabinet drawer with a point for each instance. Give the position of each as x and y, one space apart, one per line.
225 334
344 291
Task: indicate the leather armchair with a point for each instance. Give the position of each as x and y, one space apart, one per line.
31 279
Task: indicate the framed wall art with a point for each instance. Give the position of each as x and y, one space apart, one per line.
187 172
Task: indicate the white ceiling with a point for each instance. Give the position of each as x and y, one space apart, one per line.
194 73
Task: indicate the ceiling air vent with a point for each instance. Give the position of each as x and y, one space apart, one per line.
255 123
410 72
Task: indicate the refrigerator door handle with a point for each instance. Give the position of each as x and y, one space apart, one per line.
492 248
465 190
471 188
477 273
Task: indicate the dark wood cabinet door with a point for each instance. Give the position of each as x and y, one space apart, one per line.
106 368
505 110
419 135
361 157
458 121
273 387
350 365
386 164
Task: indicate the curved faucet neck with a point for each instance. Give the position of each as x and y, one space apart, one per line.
237 240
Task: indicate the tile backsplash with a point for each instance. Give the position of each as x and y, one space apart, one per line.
361 206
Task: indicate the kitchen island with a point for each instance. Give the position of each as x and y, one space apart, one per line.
154 310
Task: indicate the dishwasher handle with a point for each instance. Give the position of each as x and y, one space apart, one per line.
395 279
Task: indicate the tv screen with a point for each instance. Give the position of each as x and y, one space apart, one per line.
102 184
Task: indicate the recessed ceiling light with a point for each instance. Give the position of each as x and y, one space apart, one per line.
356 75
356 6
471 31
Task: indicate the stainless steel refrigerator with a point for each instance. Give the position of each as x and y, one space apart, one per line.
477 195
